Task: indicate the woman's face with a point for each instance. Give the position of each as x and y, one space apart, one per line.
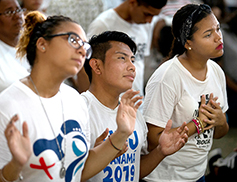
207 41
32 5
61 55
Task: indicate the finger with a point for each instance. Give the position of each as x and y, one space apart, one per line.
186 130
138 105
215 104
215 98
211 97
25 130
103 135
13 119
168 126
209 127
181 128
203 100
207 110
11 126
135 99
129 94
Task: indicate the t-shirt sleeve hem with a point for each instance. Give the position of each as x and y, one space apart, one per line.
155 122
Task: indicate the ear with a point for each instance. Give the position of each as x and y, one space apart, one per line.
188 45
41 44
96 65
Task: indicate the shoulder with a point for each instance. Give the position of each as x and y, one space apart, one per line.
103 22
216 69
165 73
72 97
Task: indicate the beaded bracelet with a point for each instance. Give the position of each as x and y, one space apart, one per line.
114 145
199 125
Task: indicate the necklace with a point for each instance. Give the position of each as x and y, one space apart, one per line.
62 171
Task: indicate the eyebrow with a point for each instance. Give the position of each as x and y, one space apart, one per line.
124 54
209 30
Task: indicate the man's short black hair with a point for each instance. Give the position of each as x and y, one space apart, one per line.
158 4
101 44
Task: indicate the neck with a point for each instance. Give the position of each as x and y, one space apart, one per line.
196 65
10 41
46 83
107 96
123 11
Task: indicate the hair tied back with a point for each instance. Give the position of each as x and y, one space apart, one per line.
32 20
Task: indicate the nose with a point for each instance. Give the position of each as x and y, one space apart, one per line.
82 51
131 66
218 36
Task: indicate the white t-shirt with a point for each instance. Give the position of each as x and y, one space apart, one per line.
11 69
127 166
140 33
44 163
173 93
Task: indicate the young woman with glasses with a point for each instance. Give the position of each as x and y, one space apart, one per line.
47 137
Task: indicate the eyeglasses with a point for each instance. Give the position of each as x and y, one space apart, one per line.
76 42
10 13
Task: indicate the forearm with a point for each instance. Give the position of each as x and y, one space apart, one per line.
10 171
221 131
100 156
154 136
150 161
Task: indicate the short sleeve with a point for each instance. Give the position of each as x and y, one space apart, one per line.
5 154
159 103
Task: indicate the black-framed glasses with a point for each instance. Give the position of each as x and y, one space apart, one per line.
75 41
10 13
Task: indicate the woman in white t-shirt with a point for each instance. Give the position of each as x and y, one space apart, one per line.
188 87
49 138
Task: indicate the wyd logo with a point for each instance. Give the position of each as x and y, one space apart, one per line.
42 145
123 167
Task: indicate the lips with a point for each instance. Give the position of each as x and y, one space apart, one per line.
130 77
219 47
79 61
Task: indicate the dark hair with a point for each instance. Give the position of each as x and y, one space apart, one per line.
158 4
100 44
36 26
192 12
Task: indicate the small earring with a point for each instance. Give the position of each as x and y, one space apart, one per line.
43 48
190 48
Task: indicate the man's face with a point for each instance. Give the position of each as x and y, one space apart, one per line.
141 14
10 25
118 70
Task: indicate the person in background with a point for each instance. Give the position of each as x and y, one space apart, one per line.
229 64
49 138
111 71
188 87
222 169
132 17
31 5
219 9
11 20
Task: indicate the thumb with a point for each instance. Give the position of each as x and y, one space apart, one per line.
168 126
103 135
25 130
